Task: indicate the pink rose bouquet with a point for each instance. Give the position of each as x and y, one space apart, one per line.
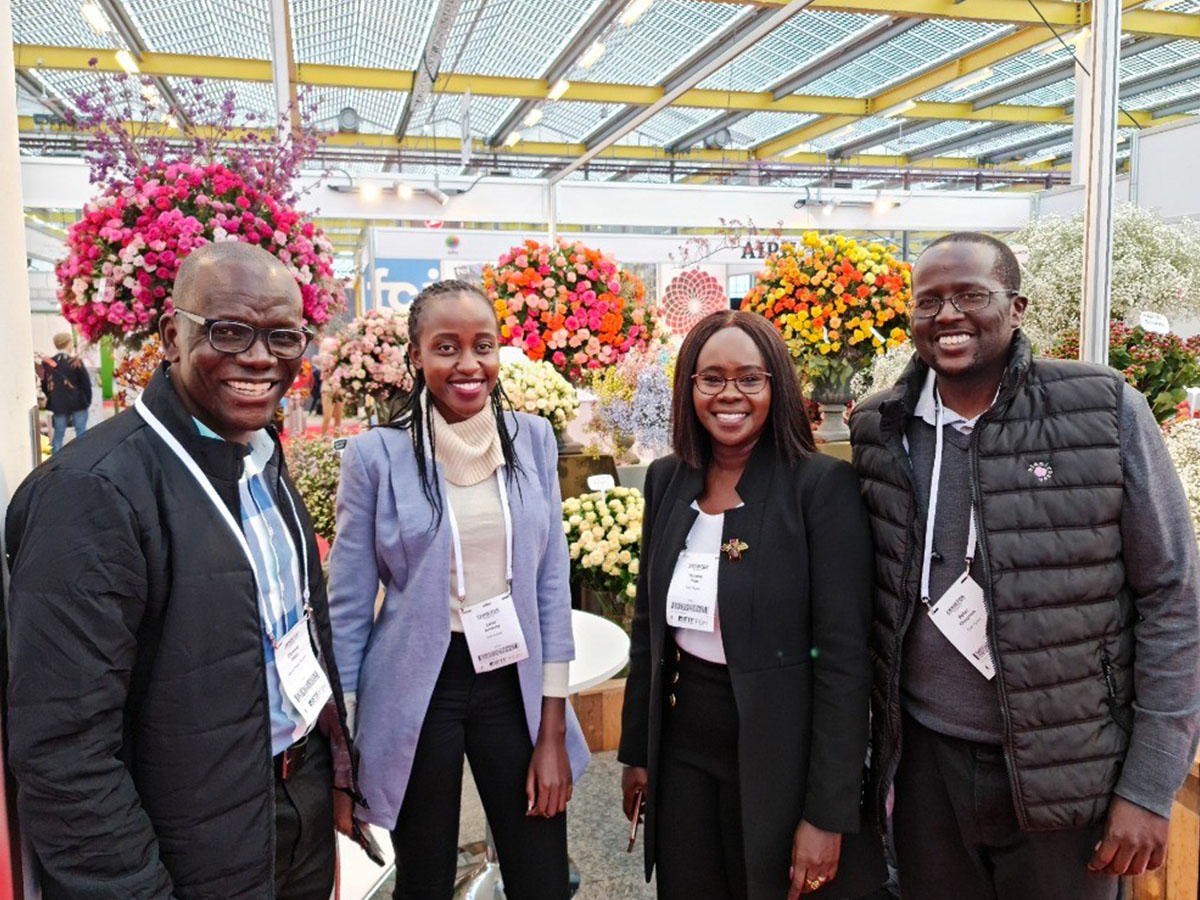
569 305
365 365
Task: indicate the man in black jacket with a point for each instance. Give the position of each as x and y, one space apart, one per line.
169 642
68 389
1037 626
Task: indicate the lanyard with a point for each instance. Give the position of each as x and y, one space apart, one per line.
931 516
458 554
215 498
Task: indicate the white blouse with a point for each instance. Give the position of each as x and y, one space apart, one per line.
705 537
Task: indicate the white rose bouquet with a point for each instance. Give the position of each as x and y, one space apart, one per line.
1183 443
536 387
604 533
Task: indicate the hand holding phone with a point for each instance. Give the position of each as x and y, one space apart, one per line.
636 820
366 840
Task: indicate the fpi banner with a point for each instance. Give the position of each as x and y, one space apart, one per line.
395 282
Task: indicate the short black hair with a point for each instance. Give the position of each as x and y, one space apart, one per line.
1007 270
788 423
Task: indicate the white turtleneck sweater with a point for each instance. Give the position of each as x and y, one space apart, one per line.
471 458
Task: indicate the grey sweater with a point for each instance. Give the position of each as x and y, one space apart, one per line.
945 693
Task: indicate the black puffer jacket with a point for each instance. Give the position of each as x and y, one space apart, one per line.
1047 484
138 725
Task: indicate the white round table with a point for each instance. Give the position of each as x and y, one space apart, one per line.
601 651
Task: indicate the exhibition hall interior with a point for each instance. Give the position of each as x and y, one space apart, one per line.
317 311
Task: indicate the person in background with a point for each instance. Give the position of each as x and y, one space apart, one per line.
331 409
745 719
455 507
168 639
68 389
1037 626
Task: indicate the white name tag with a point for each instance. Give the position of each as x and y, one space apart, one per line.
692 597
961 615
300 675
493 633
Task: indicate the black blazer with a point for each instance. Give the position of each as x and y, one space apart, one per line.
795 621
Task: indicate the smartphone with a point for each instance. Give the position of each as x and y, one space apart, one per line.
637 820
366 840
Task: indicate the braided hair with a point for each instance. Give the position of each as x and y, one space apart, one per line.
416 417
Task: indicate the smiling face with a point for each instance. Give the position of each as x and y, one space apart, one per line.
457 350
234 394
731 418
971 346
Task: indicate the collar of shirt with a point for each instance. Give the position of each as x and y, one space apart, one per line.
926 409
262 448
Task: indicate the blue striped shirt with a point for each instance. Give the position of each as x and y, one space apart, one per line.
276 573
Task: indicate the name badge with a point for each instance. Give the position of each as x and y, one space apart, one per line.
692 596
493 633
961 615
300 675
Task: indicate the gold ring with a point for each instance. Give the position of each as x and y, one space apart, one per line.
814 883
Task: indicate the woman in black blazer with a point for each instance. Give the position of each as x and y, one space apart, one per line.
746 708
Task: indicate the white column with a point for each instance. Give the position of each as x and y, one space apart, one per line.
282 65
1083 99
1104 62
18 396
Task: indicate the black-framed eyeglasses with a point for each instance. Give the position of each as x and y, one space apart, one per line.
231 336
929 305
712 384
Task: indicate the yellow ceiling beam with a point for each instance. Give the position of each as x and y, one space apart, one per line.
802 135
1062 15
631 152
75 59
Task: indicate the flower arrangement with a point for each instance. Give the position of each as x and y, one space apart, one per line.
1156 268
135 369
301 388
1183 443
882 372
536 387
165 191
1161 366
315 467
366 364
633 402
570 305
604 533
838 303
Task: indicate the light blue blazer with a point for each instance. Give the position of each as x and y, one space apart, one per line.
385 534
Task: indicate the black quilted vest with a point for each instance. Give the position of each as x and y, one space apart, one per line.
1047 482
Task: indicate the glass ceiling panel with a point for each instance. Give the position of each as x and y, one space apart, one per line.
786 49
668 125
65 85
56 23
1003 72
254 101
571 122
942 131
929 44
237 28
1164 95
664 36
441 114
371 33
759 127
987 145
498 37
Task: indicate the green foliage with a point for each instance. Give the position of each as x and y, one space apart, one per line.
315 467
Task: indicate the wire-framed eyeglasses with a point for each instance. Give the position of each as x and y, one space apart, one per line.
232 336
711 383
929 305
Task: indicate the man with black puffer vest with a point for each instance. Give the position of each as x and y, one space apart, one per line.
1037 625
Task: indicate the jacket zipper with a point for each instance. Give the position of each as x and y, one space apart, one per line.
989 601
1106 666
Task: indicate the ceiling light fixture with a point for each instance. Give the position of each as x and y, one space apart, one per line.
171 121
126 61
840 133
882 205
96 18
560 87
1038 158
514 138
634 11
404 191
971 79
828 208
369 191
532 117
591 55
897 109
439 196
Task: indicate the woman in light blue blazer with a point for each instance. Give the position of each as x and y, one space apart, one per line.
455 508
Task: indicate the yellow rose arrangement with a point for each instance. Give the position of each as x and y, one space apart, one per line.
837 302
604 533
536 387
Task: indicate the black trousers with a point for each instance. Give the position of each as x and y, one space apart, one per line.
957 836
482 716
305 846
699 848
